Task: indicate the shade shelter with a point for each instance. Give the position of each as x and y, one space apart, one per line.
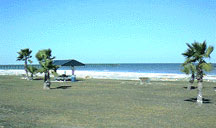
72 63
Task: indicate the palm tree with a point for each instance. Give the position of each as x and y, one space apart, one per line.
46 61
189 68
32 70
25 55
197 53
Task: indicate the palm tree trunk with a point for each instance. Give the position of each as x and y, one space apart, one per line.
48 78
31 76
200 86
25 66
199 96
191 82
189 86
46 81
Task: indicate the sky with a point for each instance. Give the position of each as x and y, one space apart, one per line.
106 31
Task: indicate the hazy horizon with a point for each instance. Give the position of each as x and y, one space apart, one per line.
99 63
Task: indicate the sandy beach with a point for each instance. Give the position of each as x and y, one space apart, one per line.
115 75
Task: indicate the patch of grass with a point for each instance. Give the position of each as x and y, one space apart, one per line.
103 103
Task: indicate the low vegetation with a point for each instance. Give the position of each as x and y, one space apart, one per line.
104 103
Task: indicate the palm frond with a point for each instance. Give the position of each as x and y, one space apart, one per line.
190 47
189 52
203 47
24 54
46 60
209 51
192 68
206 67
186 70
32 69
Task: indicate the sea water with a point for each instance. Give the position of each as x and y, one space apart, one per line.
165 68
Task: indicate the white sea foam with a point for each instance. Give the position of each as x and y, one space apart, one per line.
115 75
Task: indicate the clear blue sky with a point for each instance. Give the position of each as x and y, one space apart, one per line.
106 31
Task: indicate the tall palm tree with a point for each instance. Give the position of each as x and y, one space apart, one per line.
46 61
197 53
25 55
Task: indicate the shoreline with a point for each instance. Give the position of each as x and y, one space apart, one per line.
117 75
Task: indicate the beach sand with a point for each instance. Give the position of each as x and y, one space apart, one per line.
115 75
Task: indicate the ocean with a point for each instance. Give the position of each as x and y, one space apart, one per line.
170 68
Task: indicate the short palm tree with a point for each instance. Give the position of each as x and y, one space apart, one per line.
32 70
189 68
25 55
197 53
46 61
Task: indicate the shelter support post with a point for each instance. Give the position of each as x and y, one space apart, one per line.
72 70
73 77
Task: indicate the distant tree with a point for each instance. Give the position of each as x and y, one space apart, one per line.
196 54
32 70
46 61
25 55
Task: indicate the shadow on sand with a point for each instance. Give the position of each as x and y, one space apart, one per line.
62 87
205 101
192 87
